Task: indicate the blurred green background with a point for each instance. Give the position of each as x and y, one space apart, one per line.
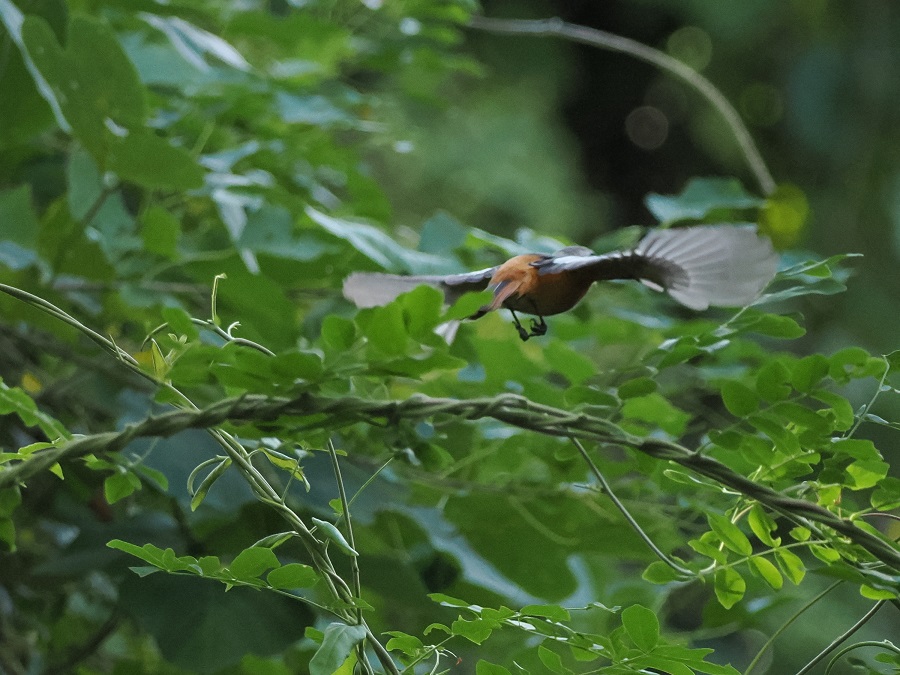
568 139
387 112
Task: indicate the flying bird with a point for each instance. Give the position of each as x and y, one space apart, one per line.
699 266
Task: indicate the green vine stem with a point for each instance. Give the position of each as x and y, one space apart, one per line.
884 644
840 638
796 615
671 562
327 412
603 40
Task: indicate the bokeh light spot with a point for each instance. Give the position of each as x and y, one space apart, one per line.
647 127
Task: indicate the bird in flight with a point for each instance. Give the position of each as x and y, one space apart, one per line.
700 266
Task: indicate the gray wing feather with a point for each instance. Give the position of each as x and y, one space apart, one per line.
372 289
721 265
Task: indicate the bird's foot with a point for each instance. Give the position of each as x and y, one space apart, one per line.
538 328
524 334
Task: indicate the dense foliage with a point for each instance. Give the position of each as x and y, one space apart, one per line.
212 463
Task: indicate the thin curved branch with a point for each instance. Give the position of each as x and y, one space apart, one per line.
607 488
603 40
840 638
325 412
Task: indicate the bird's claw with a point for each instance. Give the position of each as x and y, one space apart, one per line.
524 334
538 328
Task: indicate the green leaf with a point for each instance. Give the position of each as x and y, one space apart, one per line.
656 409
876 593
179 322
767 571
312 109
773 325
127 547
887 496
292 575
13 20
825 554
800 533
858 448
639 386
20 224
10 499
8 533
16 400
839 407
447 601
119 485
552 661
474 630
772 382
337 645
148 160
195 44
338 333
701 197
791 565
729 586
808 372
867 473
252 562
774 428
575 367
333 534
642 626
485 668
214 475
91 103
729 534
467 305
158 478
667 666
552 612
739 399
160 231
660 573
763 526
410 645
850 363
704 547
376 245
667 657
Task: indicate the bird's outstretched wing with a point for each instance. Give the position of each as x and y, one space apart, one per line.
720 265
371 289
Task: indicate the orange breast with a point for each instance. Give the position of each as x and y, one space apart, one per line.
518 286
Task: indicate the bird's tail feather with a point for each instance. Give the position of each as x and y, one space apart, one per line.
372 289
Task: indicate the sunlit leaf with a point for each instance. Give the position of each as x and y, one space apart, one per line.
729 586
642 626
339 641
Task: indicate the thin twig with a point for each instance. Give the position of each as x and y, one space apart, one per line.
345 507
786 624
838 640
885 645
601 39
671 562
324 412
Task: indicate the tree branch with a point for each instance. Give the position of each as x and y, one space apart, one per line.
331 413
